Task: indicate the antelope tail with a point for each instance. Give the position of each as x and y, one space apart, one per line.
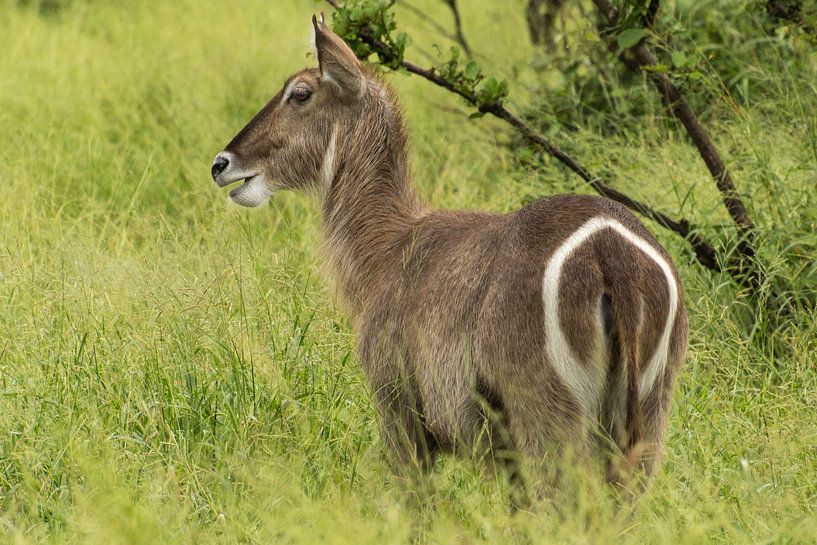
624 411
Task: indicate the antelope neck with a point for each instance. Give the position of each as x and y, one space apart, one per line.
370 206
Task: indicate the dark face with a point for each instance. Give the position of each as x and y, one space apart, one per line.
290 143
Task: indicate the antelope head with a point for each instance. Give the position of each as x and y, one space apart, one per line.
290 143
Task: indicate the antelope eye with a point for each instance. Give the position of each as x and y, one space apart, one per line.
301 94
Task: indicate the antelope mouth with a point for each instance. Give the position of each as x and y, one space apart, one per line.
252 192
234 192
226 180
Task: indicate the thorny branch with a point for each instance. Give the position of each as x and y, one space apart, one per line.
704 250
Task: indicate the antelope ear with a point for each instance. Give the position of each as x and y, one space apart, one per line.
337 62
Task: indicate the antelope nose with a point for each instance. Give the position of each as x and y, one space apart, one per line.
219 165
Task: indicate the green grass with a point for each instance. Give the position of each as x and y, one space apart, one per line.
174 369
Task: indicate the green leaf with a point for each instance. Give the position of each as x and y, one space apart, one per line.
660 68
679 59
471 70
630 37
490 86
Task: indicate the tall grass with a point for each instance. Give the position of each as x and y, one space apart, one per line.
174 370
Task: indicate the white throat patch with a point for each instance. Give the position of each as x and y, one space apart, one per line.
328 165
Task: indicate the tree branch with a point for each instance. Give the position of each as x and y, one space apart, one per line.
643 58
652 13
428 19
458 25
541 17
703 249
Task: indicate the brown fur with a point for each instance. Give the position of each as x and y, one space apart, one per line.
447 306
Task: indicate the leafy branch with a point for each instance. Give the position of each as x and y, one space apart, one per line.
368 28
370 24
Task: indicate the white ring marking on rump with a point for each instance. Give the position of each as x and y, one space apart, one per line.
586 383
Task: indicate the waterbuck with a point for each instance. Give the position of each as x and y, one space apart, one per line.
535 332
